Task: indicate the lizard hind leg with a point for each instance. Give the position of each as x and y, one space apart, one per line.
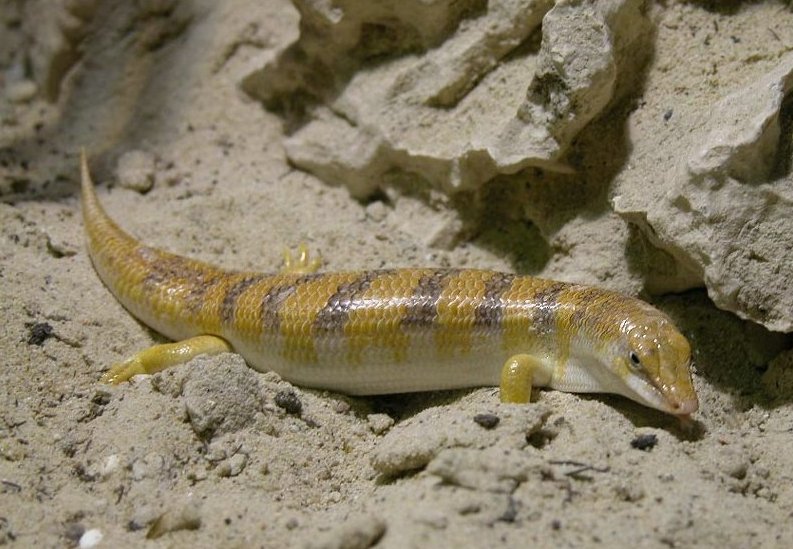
301 263
517 376
159 357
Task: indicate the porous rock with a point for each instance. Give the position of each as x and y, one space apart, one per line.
359 532
493 469
455 115
726 213
417 441
54 30
136 170
221 395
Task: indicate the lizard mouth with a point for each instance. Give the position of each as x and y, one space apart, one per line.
684 407
680 395
676 399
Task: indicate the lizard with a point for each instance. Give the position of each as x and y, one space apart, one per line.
396 330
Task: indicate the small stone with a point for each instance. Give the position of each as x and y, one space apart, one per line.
341 406
136 171
21 91
419 439
39 333
379 423
144 516
149 466
334 496
197 475
221 395
90 538
219 449
644 442
233 466
59 246
290 402
492 470
487 421
356 533
109 466
445 232
376 211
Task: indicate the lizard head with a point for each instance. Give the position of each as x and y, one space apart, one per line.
654 360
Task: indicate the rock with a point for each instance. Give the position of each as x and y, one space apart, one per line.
56 30
585 48
90 538
356 533
417 441
493 469
221 395
109 466
233 466
726 212
379 423
136 170
21 91
454 116
337 38
376 211
152 465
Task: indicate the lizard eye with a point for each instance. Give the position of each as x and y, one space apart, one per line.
635 362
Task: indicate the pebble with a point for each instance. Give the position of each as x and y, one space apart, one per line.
418 440
136 170
61 246
143 516
21 91
289 402
149 466
379 423
109 466
221 395
356 533
376 211
90 538
233 466
487 421
644 441
341 406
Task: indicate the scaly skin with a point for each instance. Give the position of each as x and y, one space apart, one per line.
396 330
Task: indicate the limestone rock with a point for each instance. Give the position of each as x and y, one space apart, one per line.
417 441
727 211
54 31
136 170
478 99
221 395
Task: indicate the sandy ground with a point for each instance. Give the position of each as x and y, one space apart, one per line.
216 455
